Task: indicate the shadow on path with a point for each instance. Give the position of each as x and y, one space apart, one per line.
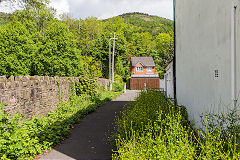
89 139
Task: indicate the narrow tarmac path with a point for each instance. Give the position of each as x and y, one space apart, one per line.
88 139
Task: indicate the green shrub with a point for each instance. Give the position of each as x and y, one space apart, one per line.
22 138
152 128
226 126
118 84
17 139
86 86
117 87
142 112
164 139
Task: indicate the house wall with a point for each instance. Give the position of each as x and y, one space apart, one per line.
204 44
162 84
134 70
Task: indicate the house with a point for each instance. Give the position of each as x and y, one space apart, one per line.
207 55
143 73
168 80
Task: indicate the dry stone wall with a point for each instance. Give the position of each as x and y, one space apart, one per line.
103 82
35 95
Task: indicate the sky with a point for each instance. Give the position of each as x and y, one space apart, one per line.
103 9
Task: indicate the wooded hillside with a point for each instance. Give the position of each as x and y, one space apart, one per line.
33 42
4 18
149 23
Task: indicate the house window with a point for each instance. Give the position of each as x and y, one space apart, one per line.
139 69
149 69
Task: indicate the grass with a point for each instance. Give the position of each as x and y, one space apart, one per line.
153 128
24 139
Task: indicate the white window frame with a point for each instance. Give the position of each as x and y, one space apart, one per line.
149 69
139 69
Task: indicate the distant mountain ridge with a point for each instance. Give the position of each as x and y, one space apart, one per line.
149 23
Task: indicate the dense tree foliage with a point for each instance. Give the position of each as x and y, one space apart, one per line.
149 23
34 42
133 40
4 18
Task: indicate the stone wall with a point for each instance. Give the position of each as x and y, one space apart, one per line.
34 95
103 82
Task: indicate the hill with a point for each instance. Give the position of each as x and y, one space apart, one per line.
149 23
4 18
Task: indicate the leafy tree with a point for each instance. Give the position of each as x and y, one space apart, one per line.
16 49
38 17
165 50
57 54
91 67
89 31
37 43
4 18
143 44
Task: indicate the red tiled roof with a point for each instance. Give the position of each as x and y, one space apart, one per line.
145 61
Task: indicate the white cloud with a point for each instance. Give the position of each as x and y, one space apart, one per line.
8 7
109 8
62 6
103 9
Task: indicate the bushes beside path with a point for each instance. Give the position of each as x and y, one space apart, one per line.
153 128
22 138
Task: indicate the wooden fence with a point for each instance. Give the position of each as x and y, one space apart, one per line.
138 83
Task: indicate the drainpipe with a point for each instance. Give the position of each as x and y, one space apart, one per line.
234 63
166 79
174 57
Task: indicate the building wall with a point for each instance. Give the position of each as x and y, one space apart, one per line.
35 95
168 79
203 45
134 70
162 84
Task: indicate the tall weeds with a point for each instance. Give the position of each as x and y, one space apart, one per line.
152 128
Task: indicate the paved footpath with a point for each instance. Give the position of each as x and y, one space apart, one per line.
88 139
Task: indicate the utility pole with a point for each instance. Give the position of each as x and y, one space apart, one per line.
113 58
111 76
109 73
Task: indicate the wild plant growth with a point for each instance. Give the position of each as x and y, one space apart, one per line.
22 138
152 128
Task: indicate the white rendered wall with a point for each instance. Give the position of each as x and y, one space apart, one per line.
162 84
168 78
203 45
